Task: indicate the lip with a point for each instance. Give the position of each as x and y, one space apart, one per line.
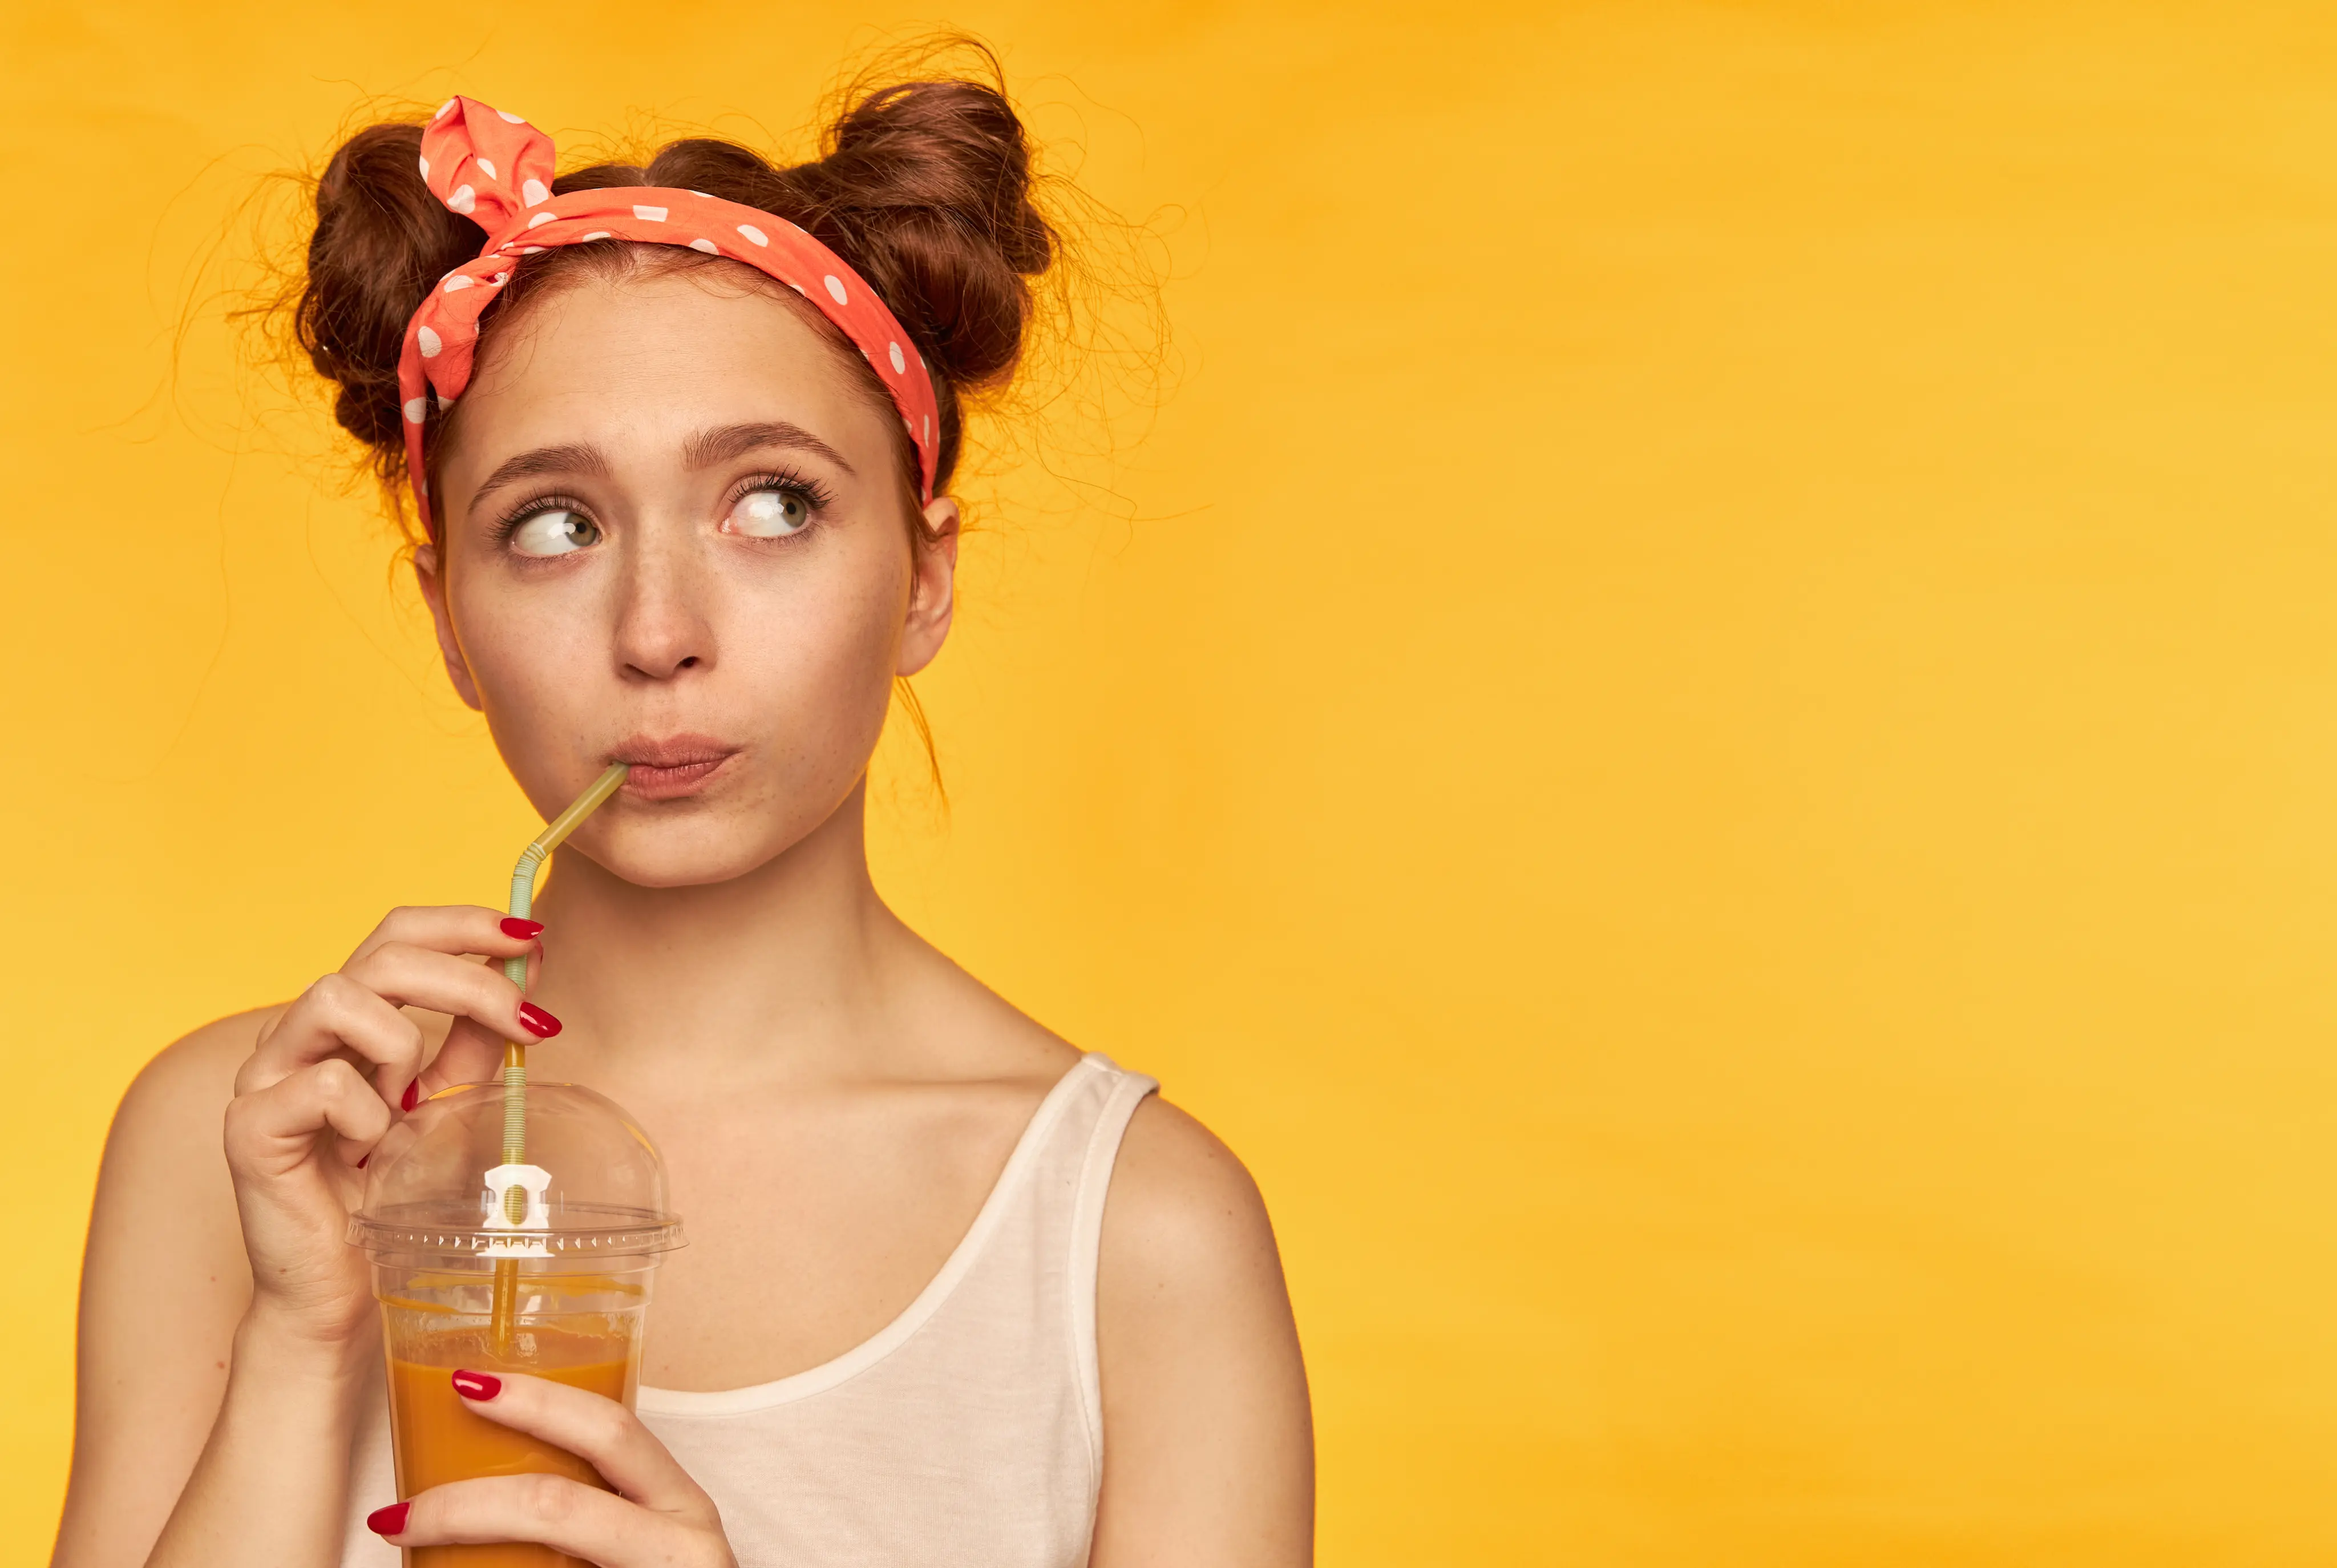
670 768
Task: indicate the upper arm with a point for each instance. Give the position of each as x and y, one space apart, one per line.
164 1282
1208 1445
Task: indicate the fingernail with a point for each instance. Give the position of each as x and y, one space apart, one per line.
526 930
409 1100
542 1024
389 1520
477 1385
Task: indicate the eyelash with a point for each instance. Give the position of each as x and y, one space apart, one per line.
508 524
817 500
816 495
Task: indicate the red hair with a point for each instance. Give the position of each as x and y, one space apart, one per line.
923 187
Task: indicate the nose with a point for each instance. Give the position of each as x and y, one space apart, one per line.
663 622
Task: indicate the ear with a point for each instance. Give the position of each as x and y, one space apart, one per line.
932 584
433 594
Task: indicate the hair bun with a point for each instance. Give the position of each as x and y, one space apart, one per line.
925 190
934 179
381 240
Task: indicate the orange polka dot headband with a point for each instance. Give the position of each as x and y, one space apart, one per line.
495 168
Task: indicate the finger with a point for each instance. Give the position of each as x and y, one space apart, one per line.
335 1015
470 1054
412 976
271 1131
453 928
547 1510
596 1429
473 1052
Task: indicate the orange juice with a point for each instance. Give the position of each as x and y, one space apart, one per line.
438 1438
556 1289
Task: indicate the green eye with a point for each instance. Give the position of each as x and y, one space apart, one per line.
770 514
556 532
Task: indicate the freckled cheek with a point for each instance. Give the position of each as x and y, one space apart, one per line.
827 659
536 673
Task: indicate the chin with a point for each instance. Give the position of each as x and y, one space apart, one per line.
645 863
696 850
669 872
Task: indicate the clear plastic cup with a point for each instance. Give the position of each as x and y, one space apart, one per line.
542 1267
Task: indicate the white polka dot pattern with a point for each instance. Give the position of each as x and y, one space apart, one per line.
508 193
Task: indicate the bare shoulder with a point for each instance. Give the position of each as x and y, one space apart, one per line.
182 1092
1180 1199
164 1181
150 1380
1207 1438
1188 1249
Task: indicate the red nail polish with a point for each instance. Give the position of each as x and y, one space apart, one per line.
477 1385
389 1520
542 1024
410 1099
526 930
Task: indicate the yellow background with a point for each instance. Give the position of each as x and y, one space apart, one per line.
1706 727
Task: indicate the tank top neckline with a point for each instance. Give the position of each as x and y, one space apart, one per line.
842 1368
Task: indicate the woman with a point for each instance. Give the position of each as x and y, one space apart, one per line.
684 504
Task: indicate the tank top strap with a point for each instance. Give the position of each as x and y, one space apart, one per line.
1033 1276
1107 1102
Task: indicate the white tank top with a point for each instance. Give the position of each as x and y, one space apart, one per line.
968 1431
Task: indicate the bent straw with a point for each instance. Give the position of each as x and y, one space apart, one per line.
505 1302
523 898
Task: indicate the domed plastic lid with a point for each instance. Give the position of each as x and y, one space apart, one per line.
590 1183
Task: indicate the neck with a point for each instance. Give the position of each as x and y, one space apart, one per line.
774 973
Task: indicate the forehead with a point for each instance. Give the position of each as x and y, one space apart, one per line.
643 361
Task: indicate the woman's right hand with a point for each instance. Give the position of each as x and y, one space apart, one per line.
343 1058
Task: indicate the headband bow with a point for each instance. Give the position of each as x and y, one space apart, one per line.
495 168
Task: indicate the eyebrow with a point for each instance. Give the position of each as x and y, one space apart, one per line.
722 443
728 443
574 458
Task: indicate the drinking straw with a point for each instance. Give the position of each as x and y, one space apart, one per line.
523 898
506 1299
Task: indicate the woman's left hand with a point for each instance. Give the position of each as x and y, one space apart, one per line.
657 1518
